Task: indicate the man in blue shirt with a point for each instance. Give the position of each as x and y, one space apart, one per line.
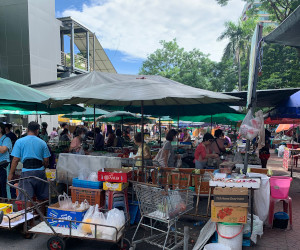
34 154
5 149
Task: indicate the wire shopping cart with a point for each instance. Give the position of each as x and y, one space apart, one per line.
161 209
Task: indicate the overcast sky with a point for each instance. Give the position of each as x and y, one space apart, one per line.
130 30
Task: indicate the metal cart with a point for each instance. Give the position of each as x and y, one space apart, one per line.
60 234
161 207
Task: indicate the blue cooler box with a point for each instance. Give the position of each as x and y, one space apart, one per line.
57 213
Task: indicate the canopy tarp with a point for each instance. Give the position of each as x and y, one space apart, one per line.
284 127
273 121
118 114
37 108
88 113
218 118
126 120
288 32
126 90
287 109
185 110
12 93
266 97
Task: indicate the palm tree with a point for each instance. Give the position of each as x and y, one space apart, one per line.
239 36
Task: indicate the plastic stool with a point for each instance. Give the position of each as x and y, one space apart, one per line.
118 199
287 208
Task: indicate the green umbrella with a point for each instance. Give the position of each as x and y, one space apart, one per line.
225 118
88 113
37 108
15 93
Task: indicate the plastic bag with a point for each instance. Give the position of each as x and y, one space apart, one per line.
98 218
84 205
281 151
238 158
115 218
258 227
179 163
86 228
176 205
65 202
250 126
83 174
93 177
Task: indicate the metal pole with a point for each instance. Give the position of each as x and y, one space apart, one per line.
211 121
94 38
186 236
252 105
72 47
159 122
88 51
94 125
122 123
142 130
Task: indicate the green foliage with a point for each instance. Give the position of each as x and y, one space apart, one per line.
279 9
189 67
280 67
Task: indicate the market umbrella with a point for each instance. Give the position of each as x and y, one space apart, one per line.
273 121
126 90
287 109
119 117
284 127
88 113
184 110
223 118
15 93
37 108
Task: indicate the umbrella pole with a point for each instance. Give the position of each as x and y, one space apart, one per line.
159 131
94 125
142 130
178 125
122 123
211 120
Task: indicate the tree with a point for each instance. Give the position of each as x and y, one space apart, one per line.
239 35
279 9
192 68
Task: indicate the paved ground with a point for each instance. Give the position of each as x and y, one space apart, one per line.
278 238
272 239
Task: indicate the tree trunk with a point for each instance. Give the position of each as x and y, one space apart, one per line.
240 72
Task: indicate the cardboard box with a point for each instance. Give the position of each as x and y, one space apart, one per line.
55 212
6 208
234 197
229 214
115 175
114 186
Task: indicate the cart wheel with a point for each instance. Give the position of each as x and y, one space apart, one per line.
56 243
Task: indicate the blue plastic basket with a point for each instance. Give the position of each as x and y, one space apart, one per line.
87 184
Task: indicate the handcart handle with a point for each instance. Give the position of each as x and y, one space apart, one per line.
28 198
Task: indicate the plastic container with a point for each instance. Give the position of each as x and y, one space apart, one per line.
87 184
281 220
280 186
231 235
216 246
93 196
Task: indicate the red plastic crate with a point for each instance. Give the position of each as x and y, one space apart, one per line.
115 175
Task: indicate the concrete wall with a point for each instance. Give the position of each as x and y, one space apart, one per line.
14 41
44 40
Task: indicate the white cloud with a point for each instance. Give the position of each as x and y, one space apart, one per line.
135 27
